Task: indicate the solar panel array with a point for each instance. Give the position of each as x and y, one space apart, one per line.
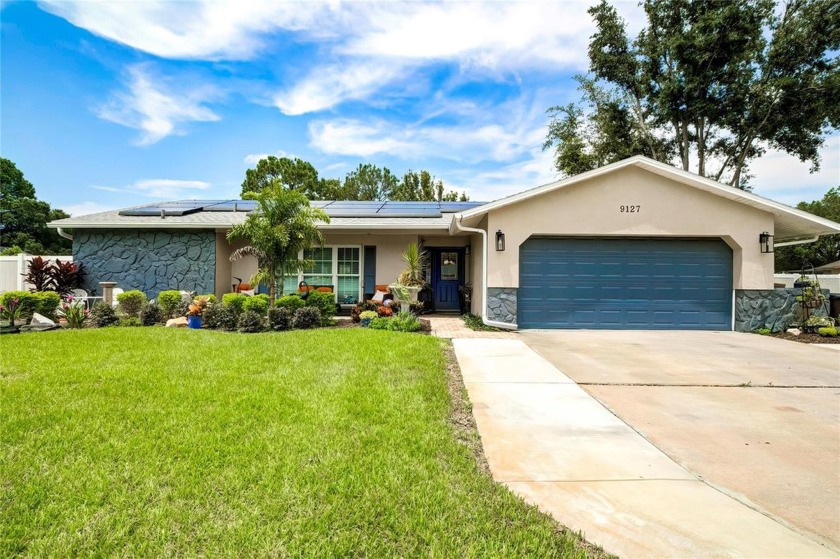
340 208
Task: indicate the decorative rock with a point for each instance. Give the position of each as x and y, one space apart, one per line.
775 309
501 303
794 331
180 322
41 320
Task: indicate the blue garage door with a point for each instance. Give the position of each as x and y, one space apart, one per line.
625 284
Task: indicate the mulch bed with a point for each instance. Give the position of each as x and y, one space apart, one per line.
807 338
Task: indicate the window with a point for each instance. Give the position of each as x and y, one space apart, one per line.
339 267
347 273
449 266
321 271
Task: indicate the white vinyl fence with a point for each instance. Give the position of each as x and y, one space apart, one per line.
827 281
13 268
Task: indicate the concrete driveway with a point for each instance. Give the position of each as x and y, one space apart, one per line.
756 417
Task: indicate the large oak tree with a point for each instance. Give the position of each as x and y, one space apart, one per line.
708 86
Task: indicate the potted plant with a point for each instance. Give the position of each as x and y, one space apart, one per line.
411 281
194 312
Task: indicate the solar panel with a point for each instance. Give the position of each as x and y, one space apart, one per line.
409 212
232 205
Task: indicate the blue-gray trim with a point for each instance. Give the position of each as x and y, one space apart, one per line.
151 261
612 283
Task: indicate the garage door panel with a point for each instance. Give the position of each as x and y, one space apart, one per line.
624 283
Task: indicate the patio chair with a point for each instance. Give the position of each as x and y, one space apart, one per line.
80 295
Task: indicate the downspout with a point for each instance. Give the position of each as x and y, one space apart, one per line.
799 242
62 233
484 258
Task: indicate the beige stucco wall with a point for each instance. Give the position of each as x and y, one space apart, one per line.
667 209
224 271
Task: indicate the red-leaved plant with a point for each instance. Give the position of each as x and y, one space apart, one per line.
40 275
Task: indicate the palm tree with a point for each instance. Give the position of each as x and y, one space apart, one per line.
282 225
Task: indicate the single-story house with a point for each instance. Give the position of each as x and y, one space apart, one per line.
637 244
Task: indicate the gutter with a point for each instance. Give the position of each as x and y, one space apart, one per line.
799 242
485 256
62 233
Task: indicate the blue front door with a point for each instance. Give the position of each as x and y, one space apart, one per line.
447 277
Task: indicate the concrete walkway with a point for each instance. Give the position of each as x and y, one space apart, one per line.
559 448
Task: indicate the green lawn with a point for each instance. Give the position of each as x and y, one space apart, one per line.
161 442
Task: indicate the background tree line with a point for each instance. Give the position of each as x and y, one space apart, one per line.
25 218
366 182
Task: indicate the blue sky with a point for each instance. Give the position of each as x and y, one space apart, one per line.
110 104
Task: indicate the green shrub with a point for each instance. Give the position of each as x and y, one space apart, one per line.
234 300
763 331
182 309
26 302
291 302
129 321
325 303
401 322
168 302
101 315
307 317
279 319
131 302
45 303
250 322
210 316
227 318
150 315
209 297
256 303
828 332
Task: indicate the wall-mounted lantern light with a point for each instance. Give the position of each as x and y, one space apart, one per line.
500 240
766 242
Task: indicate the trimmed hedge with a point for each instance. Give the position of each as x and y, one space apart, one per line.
234 300
291 302
257 304
168 302
307 317
41 302
131 302
325 303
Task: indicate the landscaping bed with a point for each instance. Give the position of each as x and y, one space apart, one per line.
807 338
312 443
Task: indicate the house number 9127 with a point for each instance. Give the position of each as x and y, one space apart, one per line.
630 209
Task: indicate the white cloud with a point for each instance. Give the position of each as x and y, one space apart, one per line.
205 30
786 179
500 132
87 208
363 47
151 105
328 86
167 189
254 158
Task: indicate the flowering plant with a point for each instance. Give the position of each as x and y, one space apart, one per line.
75 312
11 311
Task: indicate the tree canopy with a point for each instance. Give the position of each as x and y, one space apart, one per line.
25 218
282 225
707 85
823 251
365 182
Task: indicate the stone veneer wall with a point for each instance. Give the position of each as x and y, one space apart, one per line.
150 261
775 309
501 304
